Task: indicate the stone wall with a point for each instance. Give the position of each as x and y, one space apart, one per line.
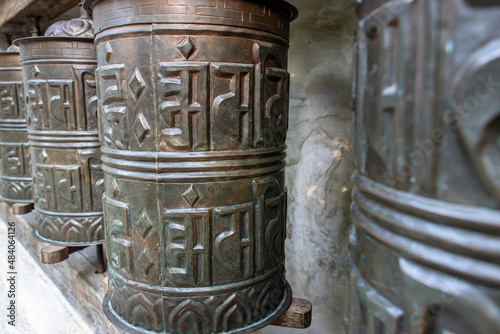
320 159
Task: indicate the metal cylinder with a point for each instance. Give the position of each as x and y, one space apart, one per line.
193 105
15 164
61 103
426 242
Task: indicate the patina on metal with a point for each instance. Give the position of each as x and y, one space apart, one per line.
426 242
15 165
193 106
61 103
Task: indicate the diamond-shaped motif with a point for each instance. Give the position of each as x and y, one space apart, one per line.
35 71
145 261
44 156
191 196
141 128
186 47
137 84
109 51
143 224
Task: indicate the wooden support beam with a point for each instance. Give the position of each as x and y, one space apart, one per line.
298 315
21 14
22 208
9 9
55 254
19 208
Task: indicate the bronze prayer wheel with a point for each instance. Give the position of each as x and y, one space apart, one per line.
61 102
15 165
426 243
193 106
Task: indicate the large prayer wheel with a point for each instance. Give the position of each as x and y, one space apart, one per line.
15 165
193 108
58 74
426 243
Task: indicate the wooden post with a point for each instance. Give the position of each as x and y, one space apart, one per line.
298 315
101 261
22 208
54 254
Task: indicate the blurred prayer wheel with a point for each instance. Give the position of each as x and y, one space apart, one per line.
15 166
193 106
426 243
58 74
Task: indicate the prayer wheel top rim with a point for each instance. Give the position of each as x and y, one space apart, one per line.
87 53
23 40
88 5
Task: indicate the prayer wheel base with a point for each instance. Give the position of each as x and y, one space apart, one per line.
297 316
11 200
270 320
62 244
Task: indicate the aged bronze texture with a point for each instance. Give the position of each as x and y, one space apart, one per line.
15 165
193 112
426 242
61 103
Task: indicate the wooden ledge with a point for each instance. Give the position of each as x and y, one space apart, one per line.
298 315
22 208
55 254
19 208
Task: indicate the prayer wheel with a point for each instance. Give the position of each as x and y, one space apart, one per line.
193 112
426 242
15 165
61 104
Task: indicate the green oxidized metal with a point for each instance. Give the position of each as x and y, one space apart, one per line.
193 112
15 165
59 84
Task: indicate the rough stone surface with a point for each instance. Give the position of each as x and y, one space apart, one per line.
320 159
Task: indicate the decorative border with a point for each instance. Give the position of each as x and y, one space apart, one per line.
67 230
36 48
22 185
207 317
272 16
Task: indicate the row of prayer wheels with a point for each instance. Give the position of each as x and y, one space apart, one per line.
160 130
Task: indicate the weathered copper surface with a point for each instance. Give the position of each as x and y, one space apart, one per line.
15 165
193 105
58 74
426 243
